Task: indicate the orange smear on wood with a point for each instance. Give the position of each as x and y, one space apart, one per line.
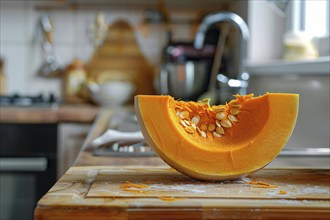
133 187
282 192
260 184
168 198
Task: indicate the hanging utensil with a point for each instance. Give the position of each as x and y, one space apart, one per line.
98 30
50 66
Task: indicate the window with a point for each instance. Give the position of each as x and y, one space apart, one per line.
315 17
312 18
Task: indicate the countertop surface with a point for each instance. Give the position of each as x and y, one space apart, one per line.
86 191
55 114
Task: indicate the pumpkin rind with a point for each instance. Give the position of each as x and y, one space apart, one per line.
264 126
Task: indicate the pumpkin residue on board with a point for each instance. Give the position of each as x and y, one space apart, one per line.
260 184
133 187
168 198
282 192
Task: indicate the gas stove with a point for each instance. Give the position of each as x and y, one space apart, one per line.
40 100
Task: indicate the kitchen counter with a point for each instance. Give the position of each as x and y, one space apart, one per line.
146 188
62 113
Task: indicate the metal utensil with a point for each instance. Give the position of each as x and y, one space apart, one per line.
50 67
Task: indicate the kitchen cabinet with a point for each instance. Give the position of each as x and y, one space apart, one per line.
71 138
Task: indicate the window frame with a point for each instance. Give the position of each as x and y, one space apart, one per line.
296 21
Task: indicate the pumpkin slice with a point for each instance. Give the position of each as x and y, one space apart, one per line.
218 142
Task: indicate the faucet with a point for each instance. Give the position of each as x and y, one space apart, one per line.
241 81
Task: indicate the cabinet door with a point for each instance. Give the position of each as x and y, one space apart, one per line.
71 138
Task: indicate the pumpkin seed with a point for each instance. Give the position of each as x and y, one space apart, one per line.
187 122
232 118
216 134
195 120
234 111
184 114
226 123
183 122
218 123
203 127
201 133
190 129
211 127
220 115
220 130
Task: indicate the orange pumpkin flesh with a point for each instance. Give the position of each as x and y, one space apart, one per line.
263 127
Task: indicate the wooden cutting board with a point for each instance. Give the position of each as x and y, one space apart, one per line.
160 192
160 182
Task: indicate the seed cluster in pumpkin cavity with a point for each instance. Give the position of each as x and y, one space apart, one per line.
205 120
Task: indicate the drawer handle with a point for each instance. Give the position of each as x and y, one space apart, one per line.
31 164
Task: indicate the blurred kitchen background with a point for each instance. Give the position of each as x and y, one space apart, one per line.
66 50
62 61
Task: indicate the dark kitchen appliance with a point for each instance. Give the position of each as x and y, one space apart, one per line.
28 159
185 70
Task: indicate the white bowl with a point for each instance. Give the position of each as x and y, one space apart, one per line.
113 93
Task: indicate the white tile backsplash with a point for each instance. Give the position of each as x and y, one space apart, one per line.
64 53
12 23
64 27
15 67
20 42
